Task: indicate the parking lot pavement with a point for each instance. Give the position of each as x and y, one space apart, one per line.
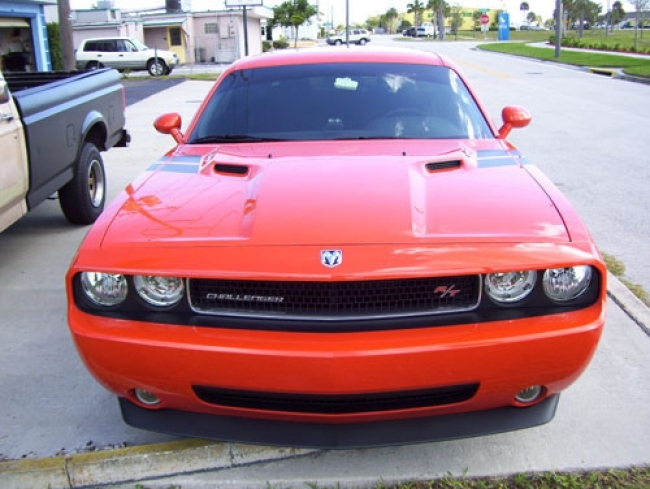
49 403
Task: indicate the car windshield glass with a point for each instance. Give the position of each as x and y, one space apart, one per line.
140 45
341 101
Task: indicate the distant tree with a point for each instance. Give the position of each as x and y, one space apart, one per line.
441 9
618 13
640 6
531 17
391 19
476 17
524 7
456 19
293 13
416 8
373 22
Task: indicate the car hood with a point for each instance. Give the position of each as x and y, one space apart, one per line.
335 194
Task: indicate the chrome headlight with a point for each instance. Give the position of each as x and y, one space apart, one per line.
510 287
159 291
105 289
565 284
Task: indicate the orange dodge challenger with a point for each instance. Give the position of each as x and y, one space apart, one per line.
341 250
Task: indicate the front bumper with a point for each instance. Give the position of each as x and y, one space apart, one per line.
501 358
359 435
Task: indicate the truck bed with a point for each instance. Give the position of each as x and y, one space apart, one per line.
61 110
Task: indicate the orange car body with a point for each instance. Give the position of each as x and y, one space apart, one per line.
393 214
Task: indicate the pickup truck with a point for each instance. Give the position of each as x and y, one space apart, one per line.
53 127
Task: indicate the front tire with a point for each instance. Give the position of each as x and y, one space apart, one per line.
82 199
156 67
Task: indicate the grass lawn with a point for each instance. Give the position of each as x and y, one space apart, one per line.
637 478
630 65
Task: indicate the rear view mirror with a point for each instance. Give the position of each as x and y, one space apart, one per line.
513 117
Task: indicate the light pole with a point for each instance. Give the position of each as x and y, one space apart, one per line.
347 22
558 27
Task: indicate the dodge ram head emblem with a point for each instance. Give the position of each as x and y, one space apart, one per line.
331 258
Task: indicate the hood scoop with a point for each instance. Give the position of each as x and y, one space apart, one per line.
456 159
231 169
443 165
222 163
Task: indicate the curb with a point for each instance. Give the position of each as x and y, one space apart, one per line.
133 464
628 302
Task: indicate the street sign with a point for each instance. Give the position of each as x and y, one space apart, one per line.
485 19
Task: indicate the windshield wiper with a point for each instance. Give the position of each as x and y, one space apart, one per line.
233 138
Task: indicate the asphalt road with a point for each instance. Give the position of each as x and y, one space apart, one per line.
588 135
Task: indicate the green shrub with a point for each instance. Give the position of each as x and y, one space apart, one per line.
280 44
54 41
266 46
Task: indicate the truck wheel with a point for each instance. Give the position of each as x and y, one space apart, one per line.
82 199
94 65
156 67
362 41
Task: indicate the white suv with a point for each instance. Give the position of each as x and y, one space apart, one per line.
357 36
124 53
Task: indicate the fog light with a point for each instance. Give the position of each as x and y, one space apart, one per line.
529 394
145 397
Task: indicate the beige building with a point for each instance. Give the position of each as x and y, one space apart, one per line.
196 37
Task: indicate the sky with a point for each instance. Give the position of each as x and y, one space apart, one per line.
359 10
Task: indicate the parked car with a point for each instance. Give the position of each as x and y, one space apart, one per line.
341 250
122 54
53 128
356 36
410 32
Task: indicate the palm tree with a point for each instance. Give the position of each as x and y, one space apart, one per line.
415 8
442 10
391 15
293 13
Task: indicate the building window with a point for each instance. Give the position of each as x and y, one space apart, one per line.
175 36
211 28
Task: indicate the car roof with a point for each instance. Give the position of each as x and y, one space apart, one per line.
109 38
351 54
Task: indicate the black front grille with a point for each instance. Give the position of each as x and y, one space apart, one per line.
336 404
335 300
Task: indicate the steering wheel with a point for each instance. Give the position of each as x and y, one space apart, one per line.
404 112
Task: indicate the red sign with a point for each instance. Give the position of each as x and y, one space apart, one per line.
484 19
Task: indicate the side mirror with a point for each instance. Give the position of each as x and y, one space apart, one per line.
170 124
513 117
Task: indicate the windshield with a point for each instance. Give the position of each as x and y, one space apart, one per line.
341 101
140 45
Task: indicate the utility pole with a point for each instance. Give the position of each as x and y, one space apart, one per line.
559 15
347 22
65 30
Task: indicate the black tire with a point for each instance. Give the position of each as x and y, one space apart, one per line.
156 67
362 41
338 42
94 65
82 199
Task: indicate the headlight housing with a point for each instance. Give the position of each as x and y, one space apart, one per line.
510 287
105 289
159 291
566 284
